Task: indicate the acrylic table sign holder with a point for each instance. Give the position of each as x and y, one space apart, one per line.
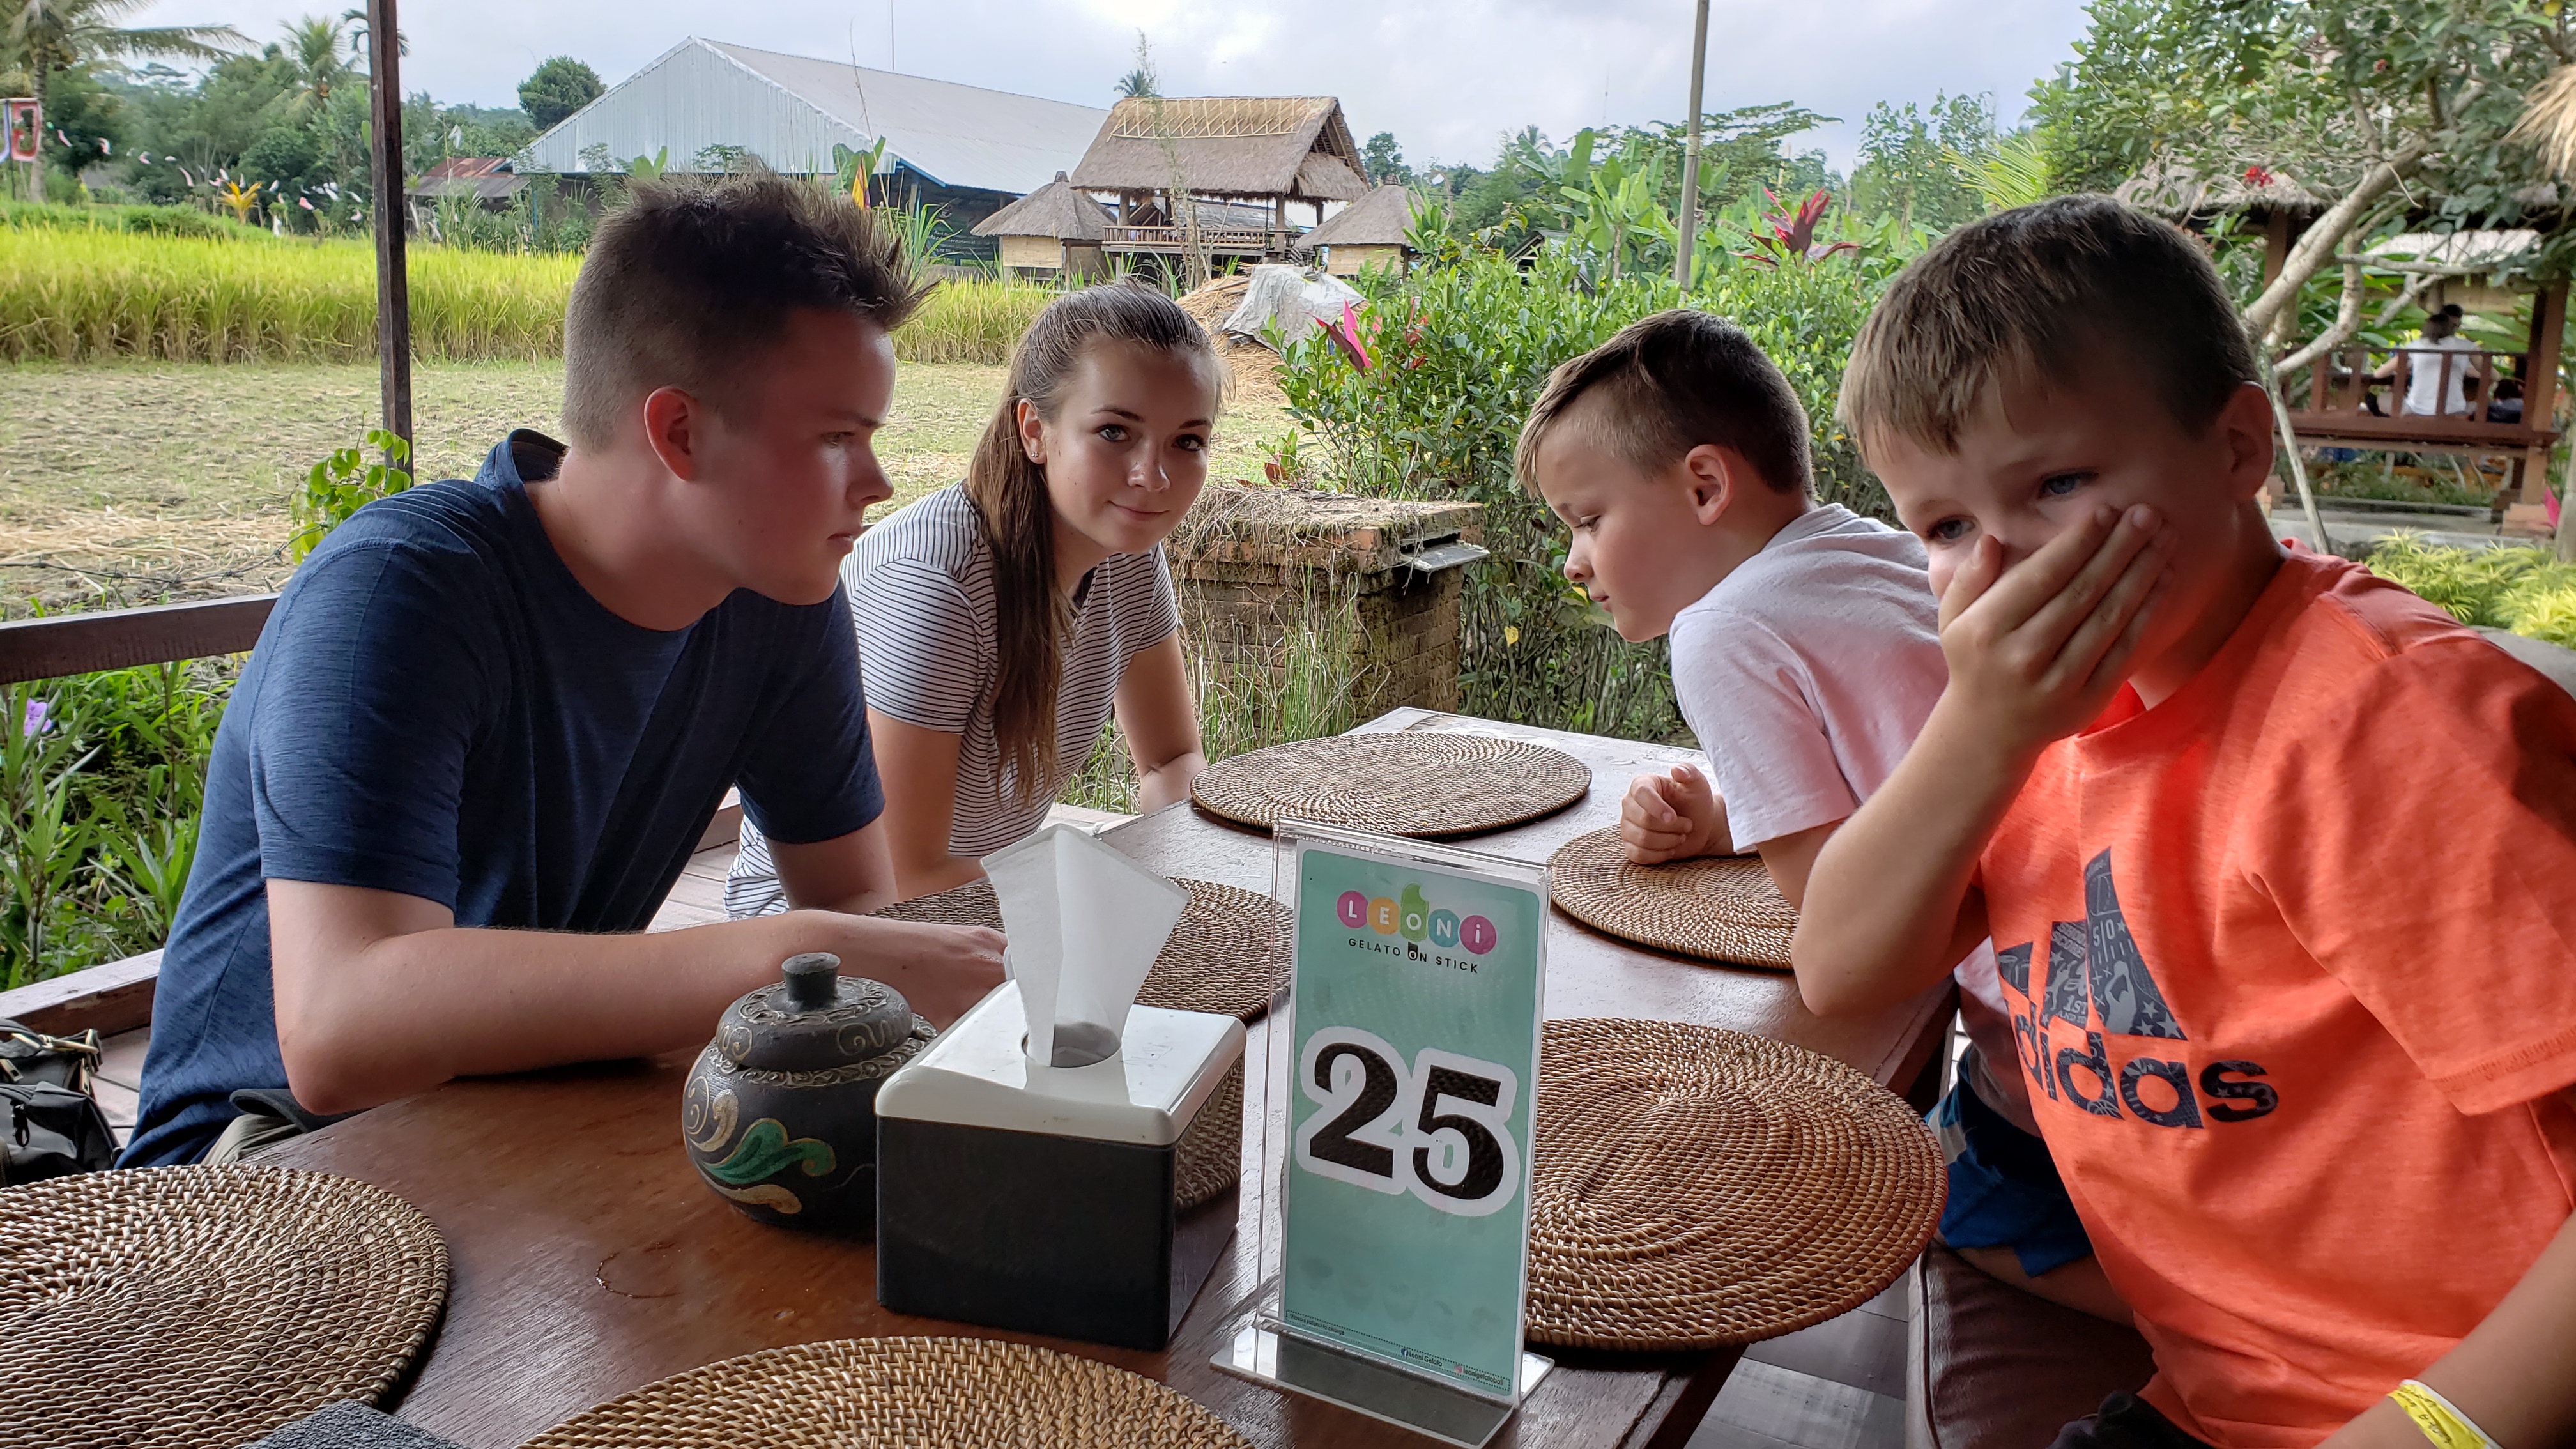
1400 1062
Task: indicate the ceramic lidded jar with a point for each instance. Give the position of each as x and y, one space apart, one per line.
780 1111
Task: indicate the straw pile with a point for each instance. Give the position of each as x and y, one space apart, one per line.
1255 367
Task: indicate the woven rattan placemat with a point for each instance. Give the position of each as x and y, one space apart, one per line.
185 1306
1718 908
1429 783
1226 956
957 1393
1697 1187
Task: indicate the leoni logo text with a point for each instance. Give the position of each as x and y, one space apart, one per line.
1416 920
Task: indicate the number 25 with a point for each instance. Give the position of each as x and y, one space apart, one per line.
1441 1131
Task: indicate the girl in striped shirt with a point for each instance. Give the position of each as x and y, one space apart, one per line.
1002 619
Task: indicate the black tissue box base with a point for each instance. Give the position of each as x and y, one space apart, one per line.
1061 1236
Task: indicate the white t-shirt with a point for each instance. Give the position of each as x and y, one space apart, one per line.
921 595
2425 381
1806 674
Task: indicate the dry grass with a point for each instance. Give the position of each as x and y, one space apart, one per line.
139 480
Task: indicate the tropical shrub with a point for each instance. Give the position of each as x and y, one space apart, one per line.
102 777
2525 590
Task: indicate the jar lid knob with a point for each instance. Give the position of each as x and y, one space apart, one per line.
813 979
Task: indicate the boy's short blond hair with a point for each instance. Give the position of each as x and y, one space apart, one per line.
1668 383
2037 293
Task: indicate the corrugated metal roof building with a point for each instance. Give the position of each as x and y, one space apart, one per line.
963 148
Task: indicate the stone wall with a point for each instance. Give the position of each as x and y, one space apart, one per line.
1372 582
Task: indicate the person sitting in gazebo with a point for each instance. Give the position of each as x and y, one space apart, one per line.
2436 382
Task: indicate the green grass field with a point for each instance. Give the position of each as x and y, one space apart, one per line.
136 480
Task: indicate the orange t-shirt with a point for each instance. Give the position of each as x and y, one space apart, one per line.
2292 966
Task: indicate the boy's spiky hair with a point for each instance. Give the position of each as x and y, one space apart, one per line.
1670 382
695 274
2040 292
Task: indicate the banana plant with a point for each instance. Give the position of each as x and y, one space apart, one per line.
854 168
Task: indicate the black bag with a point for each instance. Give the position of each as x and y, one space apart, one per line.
49 1124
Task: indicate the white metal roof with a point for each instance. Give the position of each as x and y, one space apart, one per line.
789 110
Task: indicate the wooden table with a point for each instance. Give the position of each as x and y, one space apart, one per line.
589 1260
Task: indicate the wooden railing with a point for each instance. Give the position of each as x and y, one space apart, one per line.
2328 404
123 638
1245 240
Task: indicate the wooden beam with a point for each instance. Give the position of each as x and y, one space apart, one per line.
111 997
123 638
393 285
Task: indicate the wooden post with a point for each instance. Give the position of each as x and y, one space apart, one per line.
1688 218
2276 244
2540 400
393 286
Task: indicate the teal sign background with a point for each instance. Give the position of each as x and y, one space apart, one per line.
1384 1270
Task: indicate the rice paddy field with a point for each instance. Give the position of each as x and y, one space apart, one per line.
127 480
164 388
86 295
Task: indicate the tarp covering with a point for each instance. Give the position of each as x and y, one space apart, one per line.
1290 300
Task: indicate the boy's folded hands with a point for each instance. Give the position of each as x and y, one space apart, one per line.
1675 815
2037 650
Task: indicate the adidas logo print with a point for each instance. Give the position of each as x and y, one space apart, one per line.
2095 981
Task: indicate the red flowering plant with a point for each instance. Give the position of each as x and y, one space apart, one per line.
1791 236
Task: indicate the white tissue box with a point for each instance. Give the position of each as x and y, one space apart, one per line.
1045 1199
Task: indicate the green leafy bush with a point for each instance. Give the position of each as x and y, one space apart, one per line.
1455 355
102 777
2525 590
141 220
342 484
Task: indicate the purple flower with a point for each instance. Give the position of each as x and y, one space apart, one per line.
35 723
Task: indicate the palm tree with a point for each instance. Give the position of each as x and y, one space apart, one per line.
53 35
356 16
322 57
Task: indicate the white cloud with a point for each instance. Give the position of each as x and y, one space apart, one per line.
1448 77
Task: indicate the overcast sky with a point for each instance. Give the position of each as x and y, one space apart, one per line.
1448 77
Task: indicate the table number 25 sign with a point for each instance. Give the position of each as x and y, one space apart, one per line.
1415 1016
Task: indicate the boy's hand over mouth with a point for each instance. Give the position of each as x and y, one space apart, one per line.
2037 650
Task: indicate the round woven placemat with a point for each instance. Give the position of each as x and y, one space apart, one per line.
187 1306
1226 956
1719 908
855 1393
1697 1187
1416 783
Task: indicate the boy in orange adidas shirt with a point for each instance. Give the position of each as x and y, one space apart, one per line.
2279 862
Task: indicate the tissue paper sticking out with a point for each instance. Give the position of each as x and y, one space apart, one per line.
1085 924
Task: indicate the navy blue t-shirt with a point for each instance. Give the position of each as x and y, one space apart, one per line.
437 707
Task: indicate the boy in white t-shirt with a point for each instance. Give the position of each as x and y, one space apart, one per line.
1805 657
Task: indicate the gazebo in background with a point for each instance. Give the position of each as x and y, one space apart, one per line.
1218 173
1052 232
1372 231
2338 400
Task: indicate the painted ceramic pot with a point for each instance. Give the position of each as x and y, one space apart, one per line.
780 1114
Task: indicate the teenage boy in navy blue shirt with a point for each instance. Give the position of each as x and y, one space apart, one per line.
488 721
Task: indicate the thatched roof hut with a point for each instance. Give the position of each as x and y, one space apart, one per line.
2181 194
1369 231
1055 228
1276 148
1056 211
